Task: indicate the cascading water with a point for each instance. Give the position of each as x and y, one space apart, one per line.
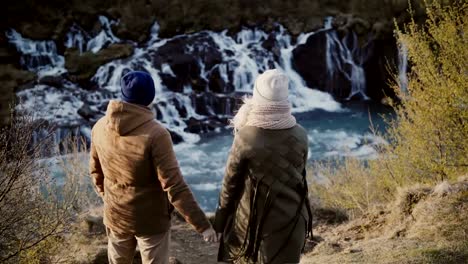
346 57
37 56
78 38
198 78
302 97
242 58
403 68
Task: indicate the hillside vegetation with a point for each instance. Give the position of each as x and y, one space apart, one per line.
409 205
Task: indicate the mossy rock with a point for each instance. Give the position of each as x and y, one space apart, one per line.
82 66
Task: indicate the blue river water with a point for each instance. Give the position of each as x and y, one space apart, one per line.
331 135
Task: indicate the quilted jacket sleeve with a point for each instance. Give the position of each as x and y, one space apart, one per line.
233 184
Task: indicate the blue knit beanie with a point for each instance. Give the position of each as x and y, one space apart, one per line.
137 87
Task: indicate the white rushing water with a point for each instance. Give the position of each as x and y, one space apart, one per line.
333 130
80 39
243 59
37 56
346 57
403 67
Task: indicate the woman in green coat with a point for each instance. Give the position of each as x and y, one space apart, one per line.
263 213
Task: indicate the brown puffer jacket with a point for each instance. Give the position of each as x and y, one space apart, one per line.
134 169
263 207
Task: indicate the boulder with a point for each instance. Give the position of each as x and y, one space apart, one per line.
217 83
309 60
86 112
209 104
206 125
176 138
54 81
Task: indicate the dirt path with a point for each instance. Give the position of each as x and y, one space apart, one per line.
188 247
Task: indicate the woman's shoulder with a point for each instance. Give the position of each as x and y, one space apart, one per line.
300 132
300 129
251 132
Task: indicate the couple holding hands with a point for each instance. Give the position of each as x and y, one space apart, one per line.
263 214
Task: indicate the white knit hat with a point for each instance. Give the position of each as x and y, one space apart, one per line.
269 107
271 86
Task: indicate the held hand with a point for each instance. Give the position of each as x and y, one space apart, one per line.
209 235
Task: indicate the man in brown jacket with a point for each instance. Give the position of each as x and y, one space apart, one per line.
135 171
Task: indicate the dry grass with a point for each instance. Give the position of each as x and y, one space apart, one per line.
38 204
421 226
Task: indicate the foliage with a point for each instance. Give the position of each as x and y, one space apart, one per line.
431 130
36 209
428 139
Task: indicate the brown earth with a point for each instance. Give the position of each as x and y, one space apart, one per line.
187 246
423 225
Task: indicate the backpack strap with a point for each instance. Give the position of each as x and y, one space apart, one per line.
309 233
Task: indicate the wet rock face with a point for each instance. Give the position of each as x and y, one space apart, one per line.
180 61
309 60
194 62
372 57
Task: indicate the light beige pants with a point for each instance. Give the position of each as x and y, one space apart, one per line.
153 249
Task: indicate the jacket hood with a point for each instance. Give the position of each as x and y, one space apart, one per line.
124 117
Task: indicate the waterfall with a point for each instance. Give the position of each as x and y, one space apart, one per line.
346 57
78 38
237 60
403 68
243 59
302 98
37 56
105 37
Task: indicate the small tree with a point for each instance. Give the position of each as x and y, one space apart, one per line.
35 210
430 134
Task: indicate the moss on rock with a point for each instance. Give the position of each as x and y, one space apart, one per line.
82 66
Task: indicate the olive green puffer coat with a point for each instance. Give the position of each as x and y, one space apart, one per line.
263 209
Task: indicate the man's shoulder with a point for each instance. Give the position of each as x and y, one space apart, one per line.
156 129
98 125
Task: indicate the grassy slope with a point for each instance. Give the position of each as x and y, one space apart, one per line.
424 225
